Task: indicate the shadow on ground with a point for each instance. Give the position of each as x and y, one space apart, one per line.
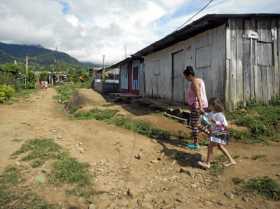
183 158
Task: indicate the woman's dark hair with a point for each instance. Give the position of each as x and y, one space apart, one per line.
189 71
217 104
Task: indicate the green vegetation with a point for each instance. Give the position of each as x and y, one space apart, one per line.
10 176
65 93
11 52
13 80
15 75
39 151
263 186
6 92
13 195
97 114
64 169
217 166
111 117
262 121
69 170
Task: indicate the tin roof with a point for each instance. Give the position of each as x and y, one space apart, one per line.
202 24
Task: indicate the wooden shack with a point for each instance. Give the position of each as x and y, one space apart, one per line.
237 55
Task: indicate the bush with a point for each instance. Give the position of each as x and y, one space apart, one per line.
262 121
31 80
64 93
6 92
264 186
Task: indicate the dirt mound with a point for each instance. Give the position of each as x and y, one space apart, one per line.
86 99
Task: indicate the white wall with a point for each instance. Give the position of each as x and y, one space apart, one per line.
205 52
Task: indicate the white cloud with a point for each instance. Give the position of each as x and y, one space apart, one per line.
89 29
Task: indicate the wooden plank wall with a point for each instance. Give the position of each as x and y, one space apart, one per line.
205 52
252 65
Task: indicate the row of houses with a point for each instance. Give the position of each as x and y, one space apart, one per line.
237 55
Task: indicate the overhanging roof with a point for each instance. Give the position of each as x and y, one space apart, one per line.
204 23
133 57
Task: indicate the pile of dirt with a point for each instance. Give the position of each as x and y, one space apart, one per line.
86 99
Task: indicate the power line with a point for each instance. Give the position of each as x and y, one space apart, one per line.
191 18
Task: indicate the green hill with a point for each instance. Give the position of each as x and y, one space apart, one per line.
38 55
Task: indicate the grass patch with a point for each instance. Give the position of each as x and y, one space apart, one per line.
24 93
20 199
13 195
38 151
263 186
111 117
262 121
10 177
217 166
65 170
69 170
96 114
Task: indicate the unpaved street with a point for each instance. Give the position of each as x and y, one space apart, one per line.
165 176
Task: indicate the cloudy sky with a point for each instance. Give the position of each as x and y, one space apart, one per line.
87 29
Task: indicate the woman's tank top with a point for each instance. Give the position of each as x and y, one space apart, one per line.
192 99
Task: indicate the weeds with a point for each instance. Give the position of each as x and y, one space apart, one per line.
12 195
111 117
96 114
39 151
217 167
64 169
262 121
64 93
11 177
69 170
263 186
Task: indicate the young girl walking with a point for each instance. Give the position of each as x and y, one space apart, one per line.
218 135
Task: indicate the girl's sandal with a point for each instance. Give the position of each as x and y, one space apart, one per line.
204 165
229 164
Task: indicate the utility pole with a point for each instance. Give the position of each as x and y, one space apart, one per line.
26 71
103 58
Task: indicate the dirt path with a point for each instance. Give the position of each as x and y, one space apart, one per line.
121 181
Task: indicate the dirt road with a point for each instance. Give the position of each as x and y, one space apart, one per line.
156 180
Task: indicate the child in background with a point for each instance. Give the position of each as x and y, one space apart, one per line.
218 135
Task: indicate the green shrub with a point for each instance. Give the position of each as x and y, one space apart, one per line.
64 93
264 186
6 92
262 121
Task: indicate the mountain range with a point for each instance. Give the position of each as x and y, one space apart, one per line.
37 54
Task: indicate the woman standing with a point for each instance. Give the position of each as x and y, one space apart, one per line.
197 101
